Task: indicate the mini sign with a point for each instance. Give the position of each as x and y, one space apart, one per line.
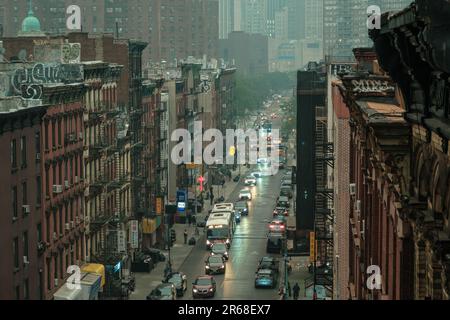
312 246
134 234
159 206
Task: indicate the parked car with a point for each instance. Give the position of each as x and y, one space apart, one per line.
155 254
220 249
280 211
142 263
215 264
265 278
269 263
250 181
286 191
283 202
274 242
245 194
241 207
277 226
204 287
165 291
179 280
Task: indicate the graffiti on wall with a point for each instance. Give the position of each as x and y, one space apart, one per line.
71 53
372 86
28 81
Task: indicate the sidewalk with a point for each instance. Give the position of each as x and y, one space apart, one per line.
146 282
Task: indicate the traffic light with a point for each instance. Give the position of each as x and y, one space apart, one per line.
173 237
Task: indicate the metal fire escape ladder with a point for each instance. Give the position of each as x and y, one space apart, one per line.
324 217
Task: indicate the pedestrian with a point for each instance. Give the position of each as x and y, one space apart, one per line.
194 220
296 291
197 233
189 219
211 199
289 289
185 236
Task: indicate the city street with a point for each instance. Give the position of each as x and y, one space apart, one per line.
248 246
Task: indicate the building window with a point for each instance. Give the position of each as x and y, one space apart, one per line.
49 276
14 202
47 182
60 222
13 154
46 135
54 134
37 142
39 232
60 142
48 235
38 190
55 225
25 244
54 175
24 193
23 152
16 253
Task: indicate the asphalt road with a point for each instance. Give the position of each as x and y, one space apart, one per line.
248 246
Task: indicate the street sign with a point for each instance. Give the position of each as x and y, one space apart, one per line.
134 234
312 246
181 200
201 180
121 247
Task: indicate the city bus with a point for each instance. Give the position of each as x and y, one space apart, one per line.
220 226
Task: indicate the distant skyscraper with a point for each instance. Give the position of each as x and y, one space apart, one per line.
391 5
273 7
282 24
296 19
313 19
226 18
344 23
254 16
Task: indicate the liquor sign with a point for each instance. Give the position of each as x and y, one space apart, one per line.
121 246
159 204
312 246
134 234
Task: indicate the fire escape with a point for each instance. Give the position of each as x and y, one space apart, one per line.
324 217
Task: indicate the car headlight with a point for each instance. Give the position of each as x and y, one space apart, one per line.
208 242
211 290
223 266
228 241
194 290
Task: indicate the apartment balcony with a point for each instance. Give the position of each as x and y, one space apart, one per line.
120 217
118 182
111 113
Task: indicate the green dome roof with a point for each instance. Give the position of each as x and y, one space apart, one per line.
31 23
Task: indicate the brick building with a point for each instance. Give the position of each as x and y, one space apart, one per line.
421 68
20 191
63 182
379 175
